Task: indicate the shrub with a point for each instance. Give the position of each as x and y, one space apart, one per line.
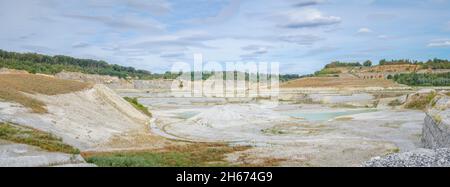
395 102
138 106
421 101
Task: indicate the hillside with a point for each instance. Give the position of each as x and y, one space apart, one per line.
83 115
338 82
434 72
15 86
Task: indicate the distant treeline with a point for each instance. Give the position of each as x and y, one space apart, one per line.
207 75
38 63
426 79
432 63
337 64
45 64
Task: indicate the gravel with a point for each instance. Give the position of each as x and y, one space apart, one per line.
416 158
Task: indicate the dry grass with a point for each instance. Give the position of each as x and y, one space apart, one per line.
12 87
420 101
338 82
344 118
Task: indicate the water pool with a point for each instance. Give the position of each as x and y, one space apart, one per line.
326 115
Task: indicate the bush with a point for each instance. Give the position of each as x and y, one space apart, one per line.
326 72
138 106
420 102
426 79
395 102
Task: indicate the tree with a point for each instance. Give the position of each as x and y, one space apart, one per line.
390 77
367 63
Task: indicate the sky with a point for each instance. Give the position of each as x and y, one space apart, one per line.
301 35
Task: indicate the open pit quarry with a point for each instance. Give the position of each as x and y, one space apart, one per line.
308 126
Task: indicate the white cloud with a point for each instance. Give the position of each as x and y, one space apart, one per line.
439 43
364 30
383 36
308 18
301 39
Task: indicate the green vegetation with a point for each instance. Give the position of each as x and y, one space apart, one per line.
37 63
437 64
288 77
432 63
437 118
395 102
367 63
394 150
337 64
421 101
138 106
34 137
326 72
398 62
192 155
426 79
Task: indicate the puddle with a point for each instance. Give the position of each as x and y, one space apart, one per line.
325 116
187 114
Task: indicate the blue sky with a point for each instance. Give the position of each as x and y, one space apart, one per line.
302 35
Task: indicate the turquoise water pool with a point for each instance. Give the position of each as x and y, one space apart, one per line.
325 116
187 114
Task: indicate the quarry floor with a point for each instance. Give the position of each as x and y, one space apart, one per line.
294 134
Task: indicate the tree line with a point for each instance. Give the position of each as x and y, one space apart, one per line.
422 79
45 64
432 63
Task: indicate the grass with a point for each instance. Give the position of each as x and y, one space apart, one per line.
29 136
273 131
138 106
13 87
394 150
191 155
421 102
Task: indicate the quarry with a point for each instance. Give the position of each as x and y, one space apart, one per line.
339 121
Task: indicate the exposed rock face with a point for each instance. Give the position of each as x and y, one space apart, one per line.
115 82
21 155
417 158
436 131
110 81
85 119
435 137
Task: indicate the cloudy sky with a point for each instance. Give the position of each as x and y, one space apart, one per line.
302 35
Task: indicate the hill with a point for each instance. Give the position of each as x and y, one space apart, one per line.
435 72
45 64
51 65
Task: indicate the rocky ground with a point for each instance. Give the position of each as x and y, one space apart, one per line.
21 155
417 158
294 134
